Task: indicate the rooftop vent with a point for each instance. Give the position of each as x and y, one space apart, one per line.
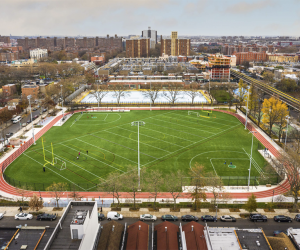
140 227
192 228
113 228
257 243
166 229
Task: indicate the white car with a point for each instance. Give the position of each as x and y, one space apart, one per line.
1 215
227 218
23 216
144 217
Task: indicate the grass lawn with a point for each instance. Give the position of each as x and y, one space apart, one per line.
221 95
169 141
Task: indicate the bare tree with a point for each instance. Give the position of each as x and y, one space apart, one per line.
172 93
74 194
193 91
23 193
174 185
113 186
99 92
154 181
56 190
119 91
198 183
35 203
215 184
153 92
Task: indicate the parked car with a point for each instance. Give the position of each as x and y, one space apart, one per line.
114 216
227 218
279 231
24 124
282 218
101 216
35 117
297 217
169 217
188 217
9 134
144 217
209 218
44 216
1 215
34 109
44 110
258 217
23 216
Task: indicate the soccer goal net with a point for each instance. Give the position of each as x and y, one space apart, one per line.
60 164
193 113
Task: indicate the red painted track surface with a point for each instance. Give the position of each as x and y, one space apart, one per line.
282 188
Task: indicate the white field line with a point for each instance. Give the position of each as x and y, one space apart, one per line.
192 144
54 171
136 141
222 119
213 167
205 120
257 167
185 127
105 117
75 164
105 150
76 119
167 134
94 158
152 137
225 159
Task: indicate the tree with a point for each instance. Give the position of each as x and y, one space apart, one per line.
174 185
113 185
198 183
74 194
215 184
119 91
153 92
172 93
154 181
251 204
242 92
268 76
289 164
89 77
295 134
5 116
273 111
131 183
24 103
56 190
23 193
35 203
99 92
192 91
287 85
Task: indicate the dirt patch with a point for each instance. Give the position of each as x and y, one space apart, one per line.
115 209
244 215
57 209
195 210
213 210
234 210
267 210
153 210
134 209
175 210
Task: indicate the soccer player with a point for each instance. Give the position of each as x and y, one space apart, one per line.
77 158
79 153
87 152
225 163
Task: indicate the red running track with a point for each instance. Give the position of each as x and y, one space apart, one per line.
282 188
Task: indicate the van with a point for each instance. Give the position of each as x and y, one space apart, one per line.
17 119
114 216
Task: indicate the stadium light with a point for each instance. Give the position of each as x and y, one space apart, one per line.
252 132
62 101
247 111
29 97
287 126
138 124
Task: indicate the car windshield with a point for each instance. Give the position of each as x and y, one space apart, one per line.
118 214
151 216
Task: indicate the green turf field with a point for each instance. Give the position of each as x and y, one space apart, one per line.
169 141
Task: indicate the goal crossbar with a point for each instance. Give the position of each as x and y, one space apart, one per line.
62 164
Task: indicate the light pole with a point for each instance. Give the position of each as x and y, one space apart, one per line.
29 97
138 124
247 110
252 132
62 101
150 91
287 126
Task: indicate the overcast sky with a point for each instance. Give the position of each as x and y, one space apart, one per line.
124 17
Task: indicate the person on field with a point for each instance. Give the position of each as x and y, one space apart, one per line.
77 158
79 153
87 152
225 163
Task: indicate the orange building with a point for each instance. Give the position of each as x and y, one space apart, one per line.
219 67
250 57
9 89
32 90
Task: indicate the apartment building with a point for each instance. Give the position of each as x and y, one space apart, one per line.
152 35
38 53
9 89
175 46
32 90
282 57
138 47
231 49
219 67
4 39
242 57
9 56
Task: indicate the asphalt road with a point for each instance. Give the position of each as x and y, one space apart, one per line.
269 227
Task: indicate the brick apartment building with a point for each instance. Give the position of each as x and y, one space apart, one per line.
4 39
231 49
9 56
9 89
219 67
138 48
242 57
175 46
32 90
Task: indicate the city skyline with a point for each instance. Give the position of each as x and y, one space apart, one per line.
98 18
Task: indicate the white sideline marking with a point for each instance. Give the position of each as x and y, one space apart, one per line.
105 117
55 172
94 158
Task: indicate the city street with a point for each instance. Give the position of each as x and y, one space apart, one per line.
269 227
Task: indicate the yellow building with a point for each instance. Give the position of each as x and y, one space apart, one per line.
282 58
201 65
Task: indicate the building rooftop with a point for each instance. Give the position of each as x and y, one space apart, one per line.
194 235
281 242
166 236
137 236
253 239
111 235
295 235
30 86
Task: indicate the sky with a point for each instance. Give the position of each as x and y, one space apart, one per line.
130 17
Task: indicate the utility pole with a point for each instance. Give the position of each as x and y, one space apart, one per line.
247 110
62 101
29 97
252 132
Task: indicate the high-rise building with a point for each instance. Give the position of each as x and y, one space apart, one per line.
152 34
138 47
175 46
219 67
